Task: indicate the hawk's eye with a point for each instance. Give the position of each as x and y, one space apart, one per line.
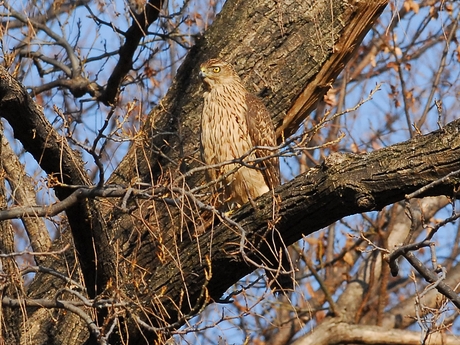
216 69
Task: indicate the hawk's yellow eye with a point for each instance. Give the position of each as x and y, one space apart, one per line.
216 69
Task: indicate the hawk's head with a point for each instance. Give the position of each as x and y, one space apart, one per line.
217 72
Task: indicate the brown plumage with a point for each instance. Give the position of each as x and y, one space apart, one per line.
233 122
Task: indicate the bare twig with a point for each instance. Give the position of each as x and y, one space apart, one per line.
74 61
442 65
201 303
433 278
51 304
26 252
47 270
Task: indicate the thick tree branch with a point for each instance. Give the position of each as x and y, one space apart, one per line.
336 332
133 36
24 194
345 184
59 161
288 52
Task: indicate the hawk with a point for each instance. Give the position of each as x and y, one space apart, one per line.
233 123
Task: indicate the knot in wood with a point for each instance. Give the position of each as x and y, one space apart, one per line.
365 201
335 159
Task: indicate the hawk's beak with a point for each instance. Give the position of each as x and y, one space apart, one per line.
202 73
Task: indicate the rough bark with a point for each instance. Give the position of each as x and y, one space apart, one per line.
24 194
9 279
287 54
54 326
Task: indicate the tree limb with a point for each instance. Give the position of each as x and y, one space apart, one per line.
343 333
59 161
133 36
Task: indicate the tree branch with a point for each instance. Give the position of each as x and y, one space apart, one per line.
133 36
345 184
343 333
59 161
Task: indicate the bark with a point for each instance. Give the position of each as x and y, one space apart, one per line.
10 279
24 194
288 55
55 326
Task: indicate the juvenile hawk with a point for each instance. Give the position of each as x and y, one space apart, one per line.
233 122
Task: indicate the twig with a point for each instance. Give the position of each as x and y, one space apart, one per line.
434 279
46 303
56 208
97 156
75 70
323 287
442 65
202 302
27 252
47 270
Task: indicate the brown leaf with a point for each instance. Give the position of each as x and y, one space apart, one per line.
433 12
411 5
348 258
393 65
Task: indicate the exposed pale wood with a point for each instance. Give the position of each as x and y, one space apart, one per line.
361 18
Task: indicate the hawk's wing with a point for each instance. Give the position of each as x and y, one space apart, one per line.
262 133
